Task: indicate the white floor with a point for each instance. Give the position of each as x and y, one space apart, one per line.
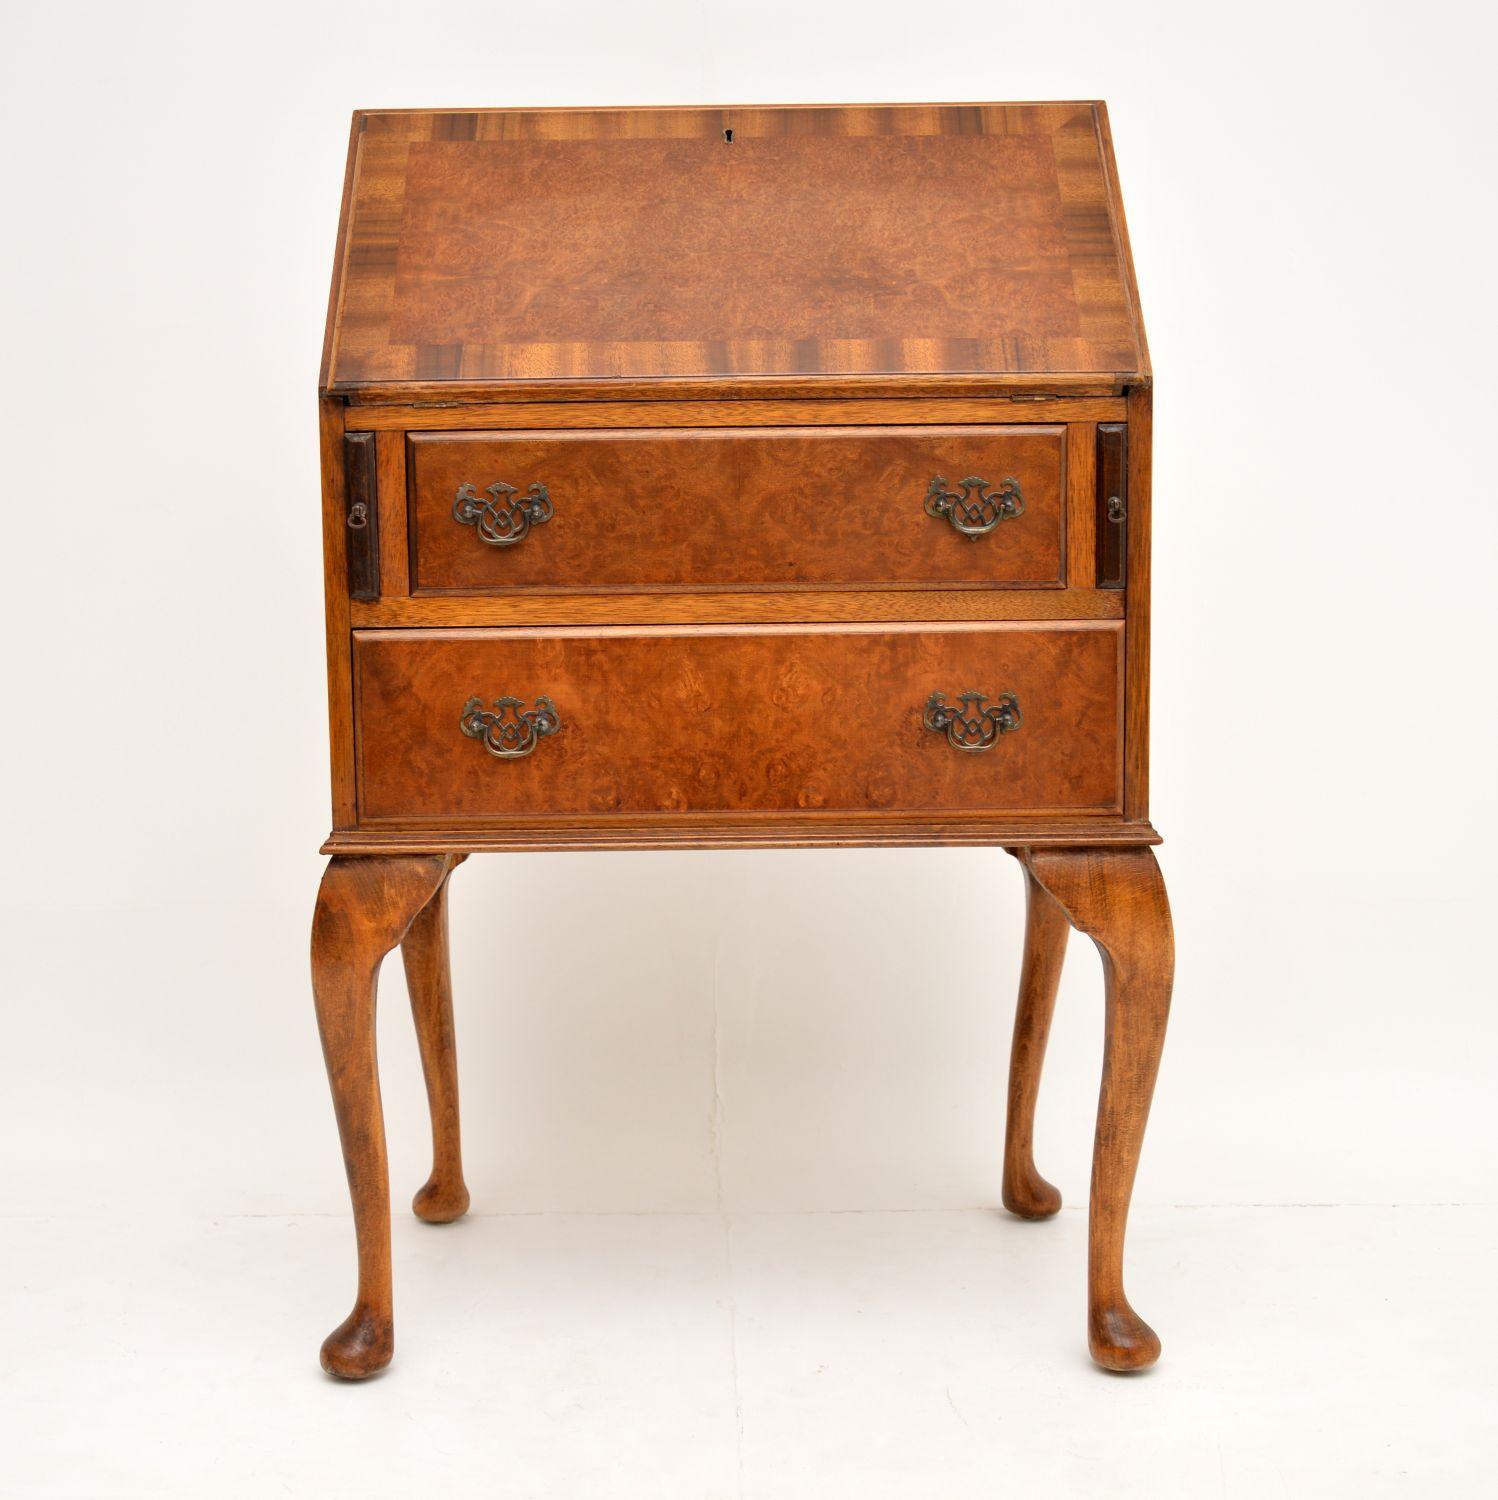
1308 1351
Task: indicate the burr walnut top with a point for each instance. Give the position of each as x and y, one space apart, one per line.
909 247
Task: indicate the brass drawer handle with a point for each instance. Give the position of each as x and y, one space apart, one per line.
512 730
979 508
502 522
973 727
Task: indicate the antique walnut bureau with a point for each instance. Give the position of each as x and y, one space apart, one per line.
737 478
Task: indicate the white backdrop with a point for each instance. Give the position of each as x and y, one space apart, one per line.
1310 195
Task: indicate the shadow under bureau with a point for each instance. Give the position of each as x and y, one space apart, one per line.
737 478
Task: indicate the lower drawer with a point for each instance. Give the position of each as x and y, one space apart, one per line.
475 724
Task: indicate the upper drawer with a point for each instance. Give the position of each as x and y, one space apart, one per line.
712 508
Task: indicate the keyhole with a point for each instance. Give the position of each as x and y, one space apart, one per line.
728 136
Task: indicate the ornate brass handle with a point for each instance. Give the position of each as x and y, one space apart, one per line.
972 727
979 508
502 522
511 730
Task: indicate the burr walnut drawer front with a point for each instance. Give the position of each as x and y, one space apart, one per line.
712 508
469 724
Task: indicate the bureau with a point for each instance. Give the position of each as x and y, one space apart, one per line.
737 478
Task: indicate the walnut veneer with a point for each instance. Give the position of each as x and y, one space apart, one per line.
737 478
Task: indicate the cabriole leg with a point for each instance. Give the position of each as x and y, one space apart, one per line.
444 1196
1025 1191
1117 897
364 908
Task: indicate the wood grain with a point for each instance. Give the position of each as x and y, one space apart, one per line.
985 386
540 834
336 610
699 508
670 607
340 250
449 416
361 542
395 559
364 908
1025 1191
737 361
1137 626
1118 222
765 719
1117 897
506 246
1081 525
1112 486
424 952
